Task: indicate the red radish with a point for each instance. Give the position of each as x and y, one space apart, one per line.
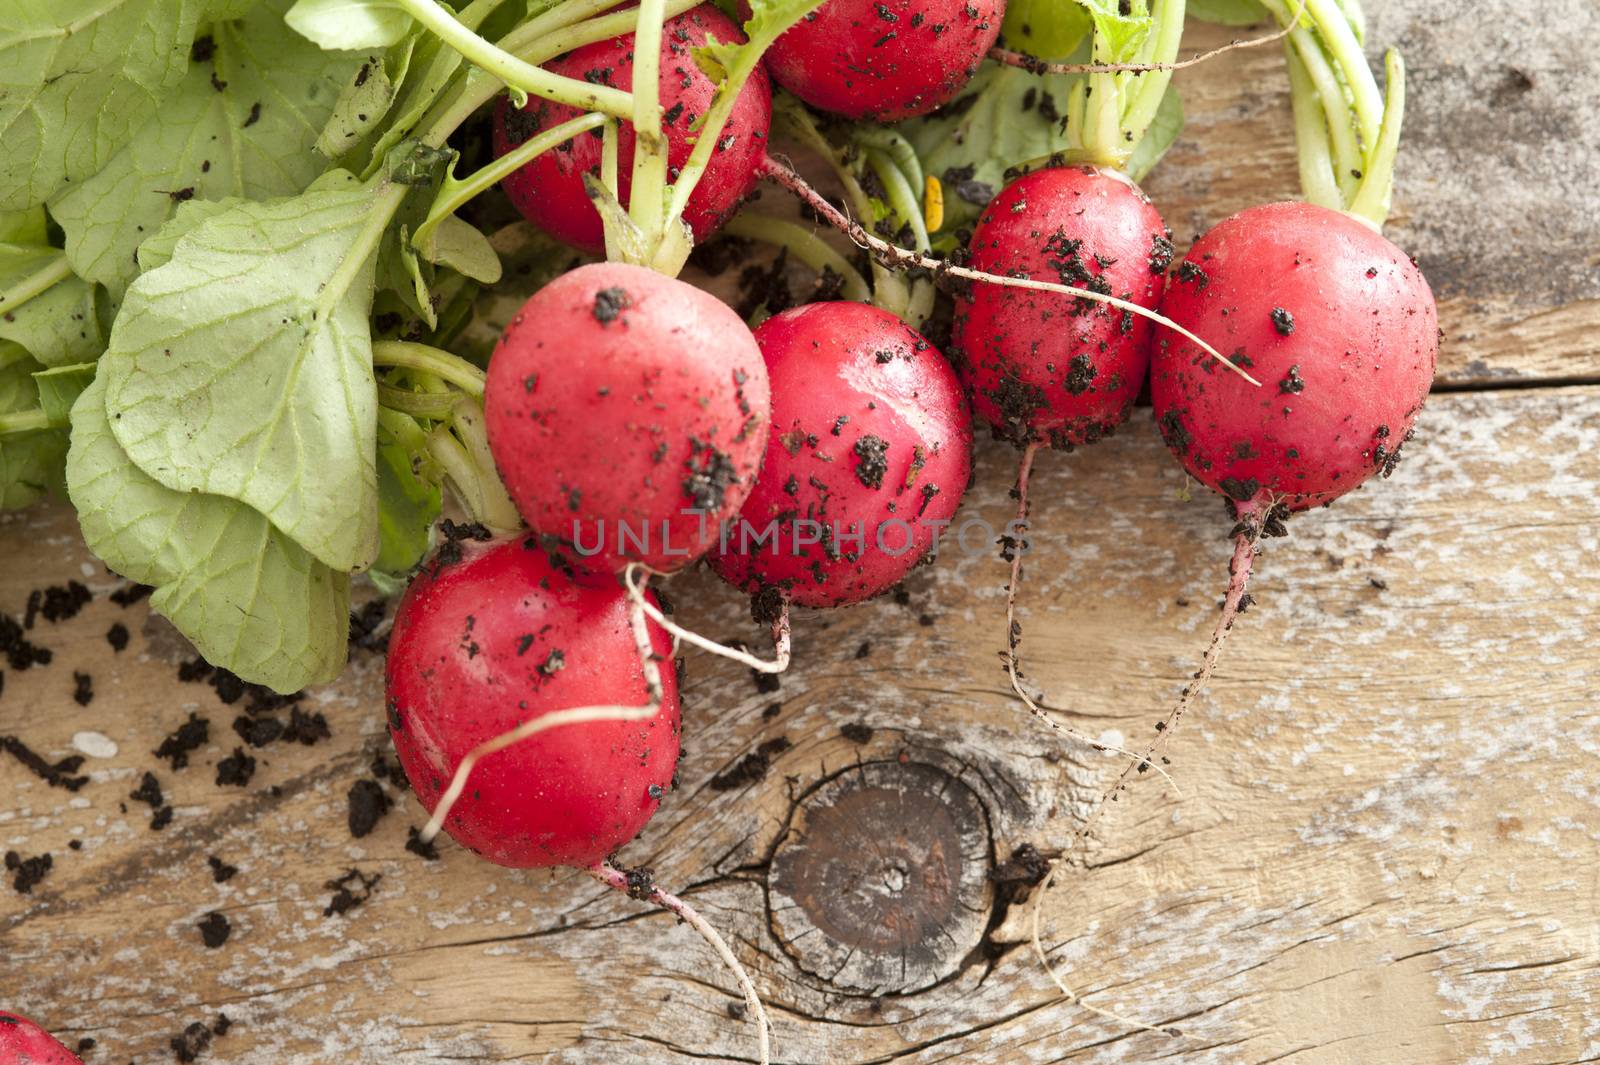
871 439
549 190
24 1043
1340 325
493 651
885 60
502 636
627 413
1048 368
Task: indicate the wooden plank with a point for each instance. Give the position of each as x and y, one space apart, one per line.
1385 849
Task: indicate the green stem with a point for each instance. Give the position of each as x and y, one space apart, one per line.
610 150
896 148
435 406
24 421
749 58
426 359
902 198
1312 149
889 289
1145 100
648 190
1333 26
55 270
804 245
446 451
455 192
1377 181
498 512
515 72
1341 131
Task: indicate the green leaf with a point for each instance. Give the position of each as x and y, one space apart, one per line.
24 227
157 249
30 462
59 325
59 389
78 78
969 147
242 366
1228 12
366 99
1118 35
408 502
349 24
250 598
223 10
1048 29
463 248
1163 130
242 123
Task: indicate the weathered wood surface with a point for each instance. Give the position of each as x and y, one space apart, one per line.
1385 850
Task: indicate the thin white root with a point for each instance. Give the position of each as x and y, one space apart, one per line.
1035 65
781 642
614 878
555 719
904 257
1034 906
1014 629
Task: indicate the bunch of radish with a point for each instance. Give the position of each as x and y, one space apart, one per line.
632 418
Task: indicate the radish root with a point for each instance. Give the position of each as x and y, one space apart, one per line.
1246 539
896 256
556 718
649 891
1035 65
1013 547
781 634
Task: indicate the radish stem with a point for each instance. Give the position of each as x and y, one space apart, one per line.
55 269
455 192
648 190
516 73
411 356
804 245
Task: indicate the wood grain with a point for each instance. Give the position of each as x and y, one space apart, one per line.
1386 845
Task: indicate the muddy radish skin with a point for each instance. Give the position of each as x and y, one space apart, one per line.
1044 368
549 190
887 60
1337 323
483 643
870 431
24 1043
618 396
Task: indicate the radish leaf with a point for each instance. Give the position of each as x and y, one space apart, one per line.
242 367
77 80
241 123
249 597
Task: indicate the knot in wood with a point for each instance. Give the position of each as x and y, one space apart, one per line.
881 883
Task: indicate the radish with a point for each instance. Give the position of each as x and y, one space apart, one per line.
627 413
495 649
885 60
1336 319
24 1043
505 634
1049 369
869 457
549 190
